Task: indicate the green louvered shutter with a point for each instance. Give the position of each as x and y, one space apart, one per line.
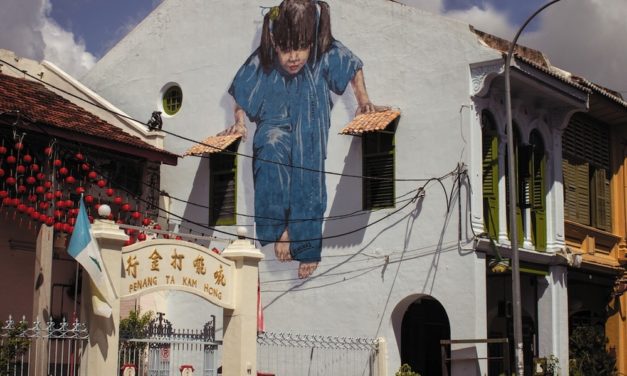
490 184
601 195
576 191
538 199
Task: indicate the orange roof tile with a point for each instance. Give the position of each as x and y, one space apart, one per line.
43 106
371 122
212 144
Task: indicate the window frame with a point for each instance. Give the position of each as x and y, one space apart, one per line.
223 164
376 193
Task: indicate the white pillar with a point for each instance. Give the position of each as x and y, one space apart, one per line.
42 294
102 350
553 316
240 324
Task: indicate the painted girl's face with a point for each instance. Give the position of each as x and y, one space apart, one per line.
292 61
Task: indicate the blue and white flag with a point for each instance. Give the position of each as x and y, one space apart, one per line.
86 251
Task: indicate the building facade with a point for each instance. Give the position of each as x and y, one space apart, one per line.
416 261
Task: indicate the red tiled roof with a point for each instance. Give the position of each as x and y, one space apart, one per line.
370 122
42 106
212 144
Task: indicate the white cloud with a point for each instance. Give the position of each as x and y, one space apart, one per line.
27 29
585 37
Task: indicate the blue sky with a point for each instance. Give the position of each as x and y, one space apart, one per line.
585 37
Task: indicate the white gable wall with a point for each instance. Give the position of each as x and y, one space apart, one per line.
412 60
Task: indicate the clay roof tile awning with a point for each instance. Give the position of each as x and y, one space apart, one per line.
212 144
372 122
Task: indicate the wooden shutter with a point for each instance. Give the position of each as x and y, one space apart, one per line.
223 187
601 196
576 191
490 184
538 197
378 163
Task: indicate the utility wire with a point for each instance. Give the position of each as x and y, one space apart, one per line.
97 105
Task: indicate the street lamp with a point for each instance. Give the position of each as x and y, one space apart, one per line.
513 235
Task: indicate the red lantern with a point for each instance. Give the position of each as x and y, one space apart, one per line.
110 192
136 215
58 226
10 180
1 172
57 163
101 183
91 219
67 227
19 146
43 218
6 201
85 166
157 227
29 210
58 213
146 221
141 236
80 190
70 179
48 151
3 150
92 175
41 176
27 158
69 203
11 159
58 194
130 241
89 199
126 207
71 221
21 188
39 189
179 237
47 184
22 207
34 215
20 169
49 196
34 167
32 198
43 205
31 180
64 171
3 193
60 204
79 156
117 200
50 221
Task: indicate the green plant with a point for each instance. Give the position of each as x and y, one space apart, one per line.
588 352
13 343
405 370
552 365
133 327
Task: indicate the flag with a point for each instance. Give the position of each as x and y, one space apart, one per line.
85 250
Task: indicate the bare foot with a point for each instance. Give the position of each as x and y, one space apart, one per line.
305 269
282 248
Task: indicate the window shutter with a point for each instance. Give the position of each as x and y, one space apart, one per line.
576 191
223 188
378 163
538 198
601 195
490 184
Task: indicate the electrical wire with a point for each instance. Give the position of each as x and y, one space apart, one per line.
99 106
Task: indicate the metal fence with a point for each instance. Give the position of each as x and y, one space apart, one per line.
161 350
51 349
289 354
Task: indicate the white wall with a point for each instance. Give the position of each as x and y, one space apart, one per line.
412 60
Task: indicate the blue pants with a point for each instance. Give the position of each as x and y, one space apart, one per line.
289 197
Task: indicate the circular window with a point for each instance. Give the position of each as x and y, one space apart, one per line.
172 100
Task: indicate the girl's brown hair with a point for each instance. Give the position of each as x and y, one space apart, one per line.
293 27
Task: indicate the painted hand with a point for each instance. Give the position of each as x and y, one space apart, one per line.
237 128
369 107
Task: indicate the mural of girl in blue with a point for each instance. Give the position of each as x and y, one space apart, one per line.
285 88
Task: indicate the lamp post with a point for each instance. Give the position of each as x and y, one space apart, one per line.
517 316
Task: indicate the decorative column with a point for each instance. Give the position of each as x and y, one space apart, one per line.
240 324
42 293
102 350
553 316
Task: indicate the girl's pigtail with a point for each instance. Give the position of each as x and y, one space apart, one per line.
325 38
266 47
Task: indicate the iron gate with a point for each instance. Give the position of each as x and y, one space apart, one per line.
161 350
